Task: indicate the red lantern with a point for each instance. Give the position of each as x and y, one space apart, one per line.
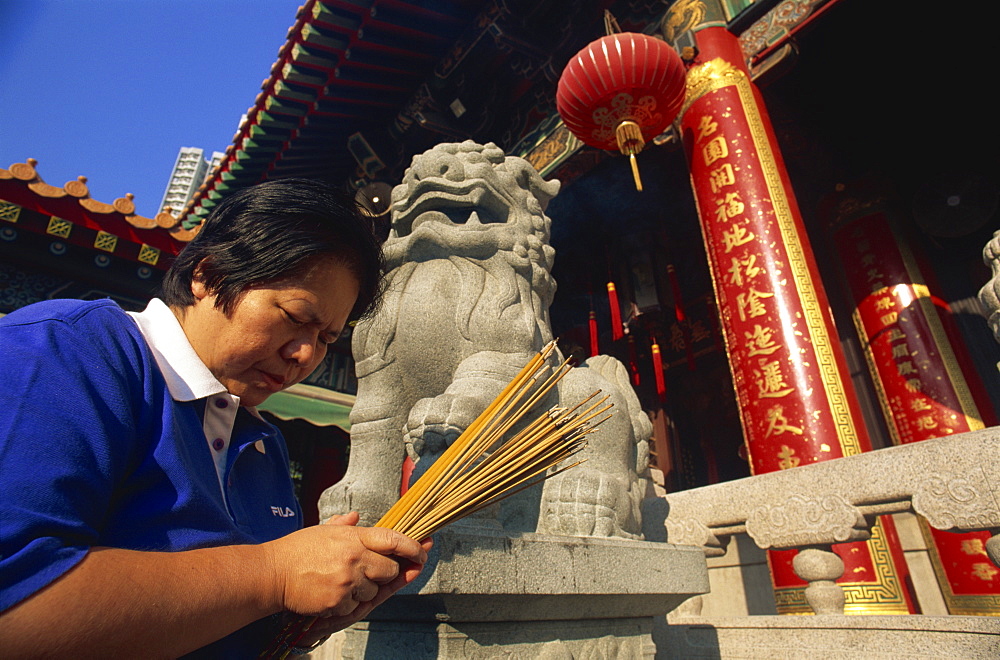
620 92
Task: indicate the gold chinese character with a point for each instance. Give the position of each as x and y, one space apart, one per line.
676 339
770 381
715 149
916 405
905 368
973 547
743 266
778 424
884 303
721 177
730 207
760 341
895 334
787 458
707 126
984 571
926 423
889 319
698 331
913 384
868 259
900 351
751 304
736 237
874 274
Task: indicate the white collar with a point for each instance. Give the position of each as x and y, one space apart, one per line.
187 376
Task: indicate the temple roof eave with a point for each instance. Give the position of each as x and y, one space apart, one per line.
341 63
22 185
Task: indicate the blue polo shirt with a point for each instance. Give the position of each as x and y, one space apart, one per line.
97 450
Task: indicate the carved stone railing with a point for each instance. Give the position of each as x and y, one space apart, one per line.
953 483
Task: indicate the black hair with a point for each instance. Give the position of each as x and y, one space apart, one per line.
272 231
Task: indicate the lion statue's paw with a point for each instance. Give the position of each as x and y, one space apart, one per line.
436 422
345 496
587 502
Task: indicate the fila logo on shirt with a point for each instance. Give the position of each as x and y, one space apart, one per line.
283 512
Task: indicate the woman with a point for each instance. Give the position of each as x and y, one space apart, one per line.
145 507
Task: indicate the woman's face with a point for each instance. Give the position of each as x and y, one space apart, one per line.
277 334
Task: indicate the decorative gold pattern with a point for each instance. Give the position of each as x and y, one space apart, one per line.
882 597
776 25
105 241
59 227
149 255
883 397
9 212
551 151
683 16
709 77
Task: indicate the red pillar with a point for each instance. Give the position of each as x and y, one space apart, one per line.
797 404
924 378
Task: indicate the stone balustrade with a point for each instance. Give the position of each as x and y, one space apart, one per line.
953 482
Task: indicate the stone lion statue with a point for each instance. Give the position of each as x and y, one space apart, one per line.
468 292
989 295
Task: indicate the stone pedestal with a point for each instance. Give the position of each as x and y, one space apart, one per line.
534 596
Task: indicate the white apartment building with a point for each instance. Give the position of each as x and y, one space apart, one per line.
188 174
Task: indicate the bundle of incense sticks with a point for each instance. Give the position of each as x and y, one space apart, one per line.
487 463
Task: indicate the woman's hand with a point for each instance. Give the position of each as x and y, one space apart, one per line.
340 572
406 571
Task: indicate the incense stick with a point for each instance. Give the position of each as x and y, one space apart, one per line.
469 477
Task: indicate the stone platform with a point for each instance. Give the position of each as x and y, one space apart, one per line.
486 595
829 637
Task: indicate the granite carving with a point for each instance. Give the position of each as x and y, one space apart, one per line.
468 292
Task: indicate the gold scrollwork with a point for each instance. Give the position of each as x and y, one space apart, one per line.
556 147
709 77
683 16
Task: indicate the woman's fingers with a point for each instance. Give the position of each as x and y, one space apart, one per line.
366 592
351 518
387 542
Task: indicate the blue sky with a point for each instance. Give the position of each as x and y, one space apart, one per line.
112 89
